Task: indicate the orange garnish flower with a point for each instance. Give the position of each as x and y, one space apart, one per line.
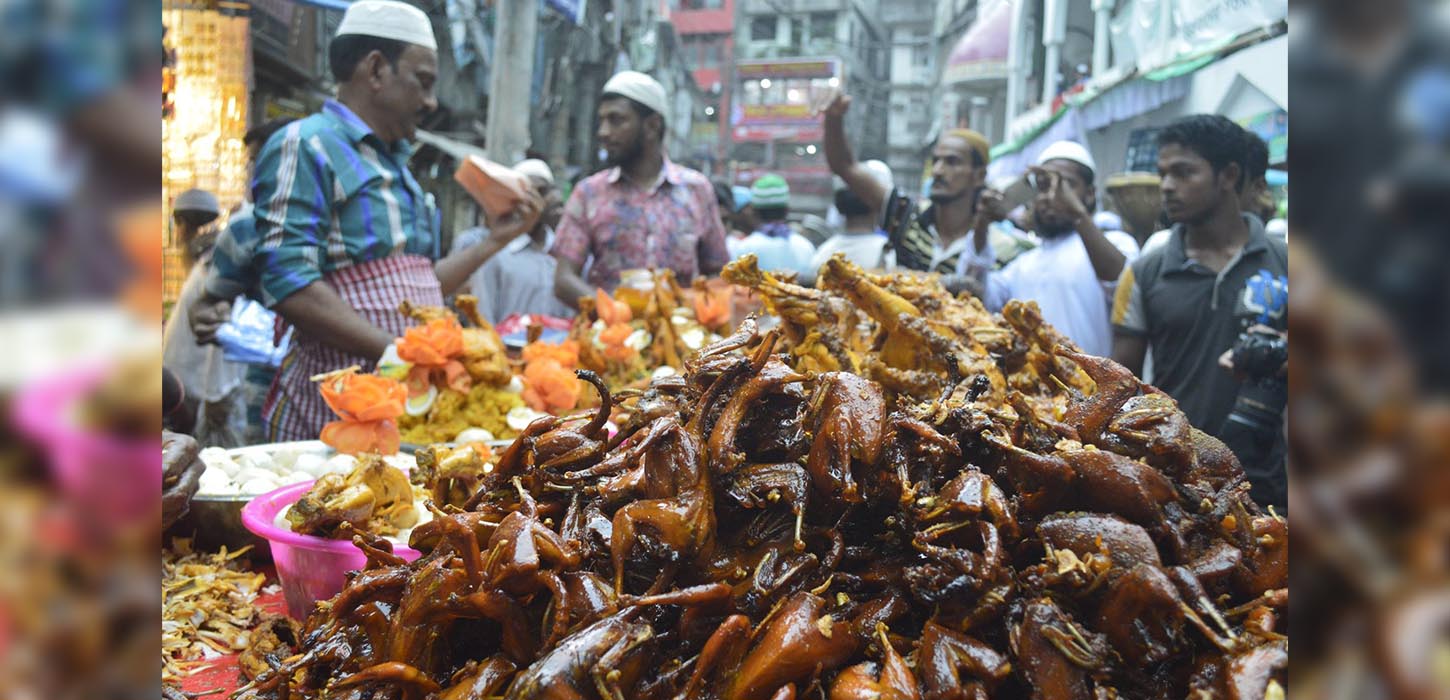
550 387
615 334
565 353
368 406
432 344
434 349
611 311
353 438
363 397
712 309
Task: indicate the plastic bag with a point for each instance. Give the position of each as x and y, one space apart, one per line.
497 188
248 335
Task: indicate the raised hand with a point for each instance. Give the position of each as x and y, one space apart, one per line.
831 103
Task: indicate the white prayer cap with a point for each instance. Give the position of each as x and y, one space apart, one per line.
641 88
1068 150
533 167
880 172
388 19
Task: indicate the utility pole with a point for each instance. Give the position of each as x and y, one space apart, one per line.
511 80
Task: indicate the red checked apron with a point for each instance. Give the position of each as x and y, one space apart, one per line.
294 409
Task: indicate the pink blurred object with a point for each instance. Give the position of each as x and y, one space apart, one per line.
518 323
310 568
116 479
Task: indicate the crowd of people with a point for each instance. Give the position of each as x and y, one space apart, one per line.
340 232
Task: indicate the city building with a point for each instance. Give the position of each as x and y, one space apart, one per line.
787 53
908 24
707 45
1110 74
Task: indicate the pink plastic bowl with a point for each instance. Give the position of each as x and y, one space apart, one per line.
116 479
310 568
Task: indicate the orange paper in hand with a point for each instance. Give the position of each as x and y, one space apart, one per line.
497 188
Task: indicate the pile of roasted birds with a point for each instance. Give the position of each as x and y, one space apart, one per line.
891 493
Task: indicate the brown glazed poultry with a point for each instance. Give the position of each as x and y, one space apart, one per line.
761 530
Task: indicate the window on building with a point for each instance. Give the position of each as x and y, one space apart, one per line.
701 4
921 54
823 26
797 33
762 28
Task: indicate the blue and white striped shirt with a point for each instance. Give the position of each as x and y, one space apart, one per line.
330 194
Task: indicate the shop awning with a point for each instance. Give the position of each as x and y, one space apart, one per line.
981 53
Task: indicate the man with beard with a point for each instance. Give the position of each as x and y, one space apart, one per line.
1072 274
345 230
644 211
934 238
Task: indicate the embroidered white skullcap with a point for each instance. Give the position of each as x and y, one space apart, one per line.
387 19
1068 150
533 167
641 88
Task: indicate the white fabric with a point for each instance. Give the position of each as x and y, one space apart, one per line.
205 373
533 167
1068 150
792 254
880 172
387 19
519 279
869 250
1059 276
641 88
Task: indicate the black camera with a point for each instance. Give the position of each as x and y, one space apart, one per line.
1254 428
1260 355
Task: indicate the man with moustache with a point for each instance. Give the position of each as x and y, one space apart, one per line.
644 211
345 230
1073 272
936 237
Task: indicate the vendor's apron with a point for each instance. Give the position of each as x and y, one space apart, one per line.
294 409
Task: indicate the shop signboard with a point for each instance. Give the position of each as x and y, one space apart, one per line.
788 68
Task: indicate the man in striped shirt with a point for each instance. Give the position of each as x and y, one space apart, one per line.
346 232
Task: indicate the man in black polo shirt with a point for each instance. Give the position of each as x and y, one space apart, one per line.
1180 298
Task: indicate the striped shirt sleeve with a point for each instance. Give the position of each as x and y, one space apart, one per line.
1128 313
292 211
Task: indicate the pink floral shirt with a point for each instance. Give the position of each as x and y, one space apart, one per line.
675 224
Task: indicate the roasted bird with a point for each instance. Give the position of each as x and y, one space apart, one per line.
374 497
1035 524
